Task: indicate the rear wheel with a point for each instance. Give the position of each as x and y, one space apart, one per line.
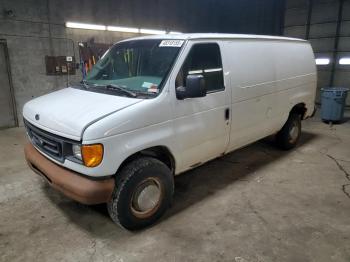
289 135
143 192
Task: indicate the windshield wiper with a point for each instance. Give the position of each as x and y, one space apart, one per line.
145 93
121 89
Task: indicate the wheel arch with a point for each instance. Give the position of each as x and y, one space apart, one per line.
299 109
162 153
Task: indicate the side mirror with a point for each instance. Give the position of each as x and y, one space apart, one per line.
195 87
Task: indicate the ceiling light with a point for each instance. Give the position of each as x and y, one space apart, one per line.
174 33
85 26
344 61
322 61
151 31
195 72
212 70
123 29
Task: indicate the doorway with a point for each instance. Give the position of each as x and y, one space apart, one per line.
8 115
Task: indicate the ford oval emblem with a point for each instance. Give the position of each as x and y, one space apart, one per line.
37 117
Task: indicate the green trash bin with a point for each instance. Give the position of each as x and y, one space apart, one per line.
333 103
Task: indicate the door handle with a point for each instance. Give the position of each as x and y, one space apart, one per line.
227 114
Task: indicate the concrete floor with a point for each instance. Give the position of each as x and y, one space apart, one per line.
256 204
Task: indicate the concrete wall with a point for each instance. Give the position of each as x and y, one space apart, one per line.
322 34
37 29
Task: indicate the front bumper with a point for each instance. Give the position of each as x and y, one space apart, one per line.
70 183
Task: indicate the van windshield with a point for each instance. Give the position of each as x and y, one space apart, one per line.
137 67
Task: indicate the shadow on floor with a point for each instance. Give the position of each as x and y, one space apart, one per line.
190 188
345 120
195 185
339 122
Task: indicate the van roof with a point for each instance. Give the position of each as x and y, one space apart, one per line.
215 36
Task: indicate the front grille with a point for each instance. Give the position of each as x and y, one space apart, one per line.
49 144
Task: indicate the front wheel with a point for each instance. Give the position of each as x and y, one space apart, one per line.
289 135
143 192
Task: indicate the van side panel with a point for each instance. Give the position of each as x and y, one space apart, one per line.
267 77
296 75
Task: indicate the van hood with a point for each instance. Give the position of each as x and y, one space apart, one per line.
69 111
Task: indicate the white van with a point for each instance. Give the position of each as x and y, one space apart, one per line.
154 107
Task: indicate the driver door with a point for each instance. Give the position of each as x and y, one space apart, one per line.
202 124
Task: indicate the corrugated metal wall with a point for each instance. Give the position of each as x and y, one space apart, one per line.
326 23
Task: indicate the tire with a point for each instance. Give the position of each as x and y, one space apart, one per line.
143 192
287 138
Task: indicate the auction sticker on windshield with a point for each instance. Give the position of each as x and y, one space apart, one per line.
171 43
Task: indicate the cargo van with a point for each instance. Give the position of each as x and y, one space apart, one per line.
154 107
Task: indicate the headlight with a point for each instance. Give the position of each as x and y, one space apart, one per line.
77 152
92 154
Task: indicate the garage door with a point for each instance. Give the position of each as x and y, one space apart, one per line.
7 115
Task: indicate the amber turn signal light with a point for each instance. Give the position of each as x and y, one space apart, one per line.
92 154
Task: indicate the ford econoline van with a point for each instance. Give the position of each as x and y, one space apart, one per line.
154 107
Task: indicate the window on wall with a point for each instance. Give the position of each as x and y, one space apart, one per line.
203 59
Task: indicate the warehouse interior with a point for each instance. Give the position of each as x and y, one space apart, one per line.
257 203
326 25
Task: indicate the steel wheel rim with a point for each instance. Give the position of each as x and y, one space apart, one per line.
293 133
146 198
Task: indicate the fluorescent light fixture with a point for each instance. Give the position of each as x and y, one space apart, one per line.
174 33
151 31
212 70
195 72
123 29
85 26
344 61
322 61
117 28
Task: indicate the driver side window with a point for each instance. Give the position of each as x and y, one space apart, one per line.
203 59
